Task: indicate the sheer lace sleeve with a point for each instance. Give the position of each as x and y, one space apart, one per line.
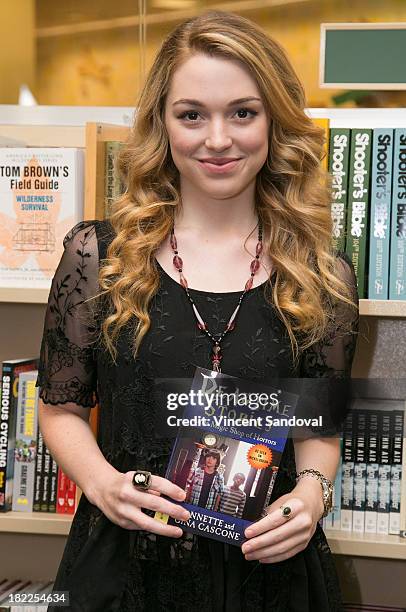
326 366
67 368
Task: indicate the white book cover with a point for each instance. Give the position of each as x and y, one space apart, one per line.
41 198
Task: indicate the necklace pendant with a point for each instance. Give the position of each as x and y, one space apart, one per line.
216 358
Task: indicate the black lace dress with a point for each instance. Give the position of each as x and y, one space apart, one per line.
108 568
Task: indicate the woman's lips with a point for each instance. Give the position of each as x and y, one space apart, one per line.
219 168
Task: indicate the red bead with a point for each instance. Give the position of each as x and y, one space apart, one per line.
177 262
248 284
183 281
174 244
231 326
202 327
254 265
259 248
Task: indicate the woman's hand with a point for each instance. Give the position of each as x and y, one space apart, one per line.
121 502
275 538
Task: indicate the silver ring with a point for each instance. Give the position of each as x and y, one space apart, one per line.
142 480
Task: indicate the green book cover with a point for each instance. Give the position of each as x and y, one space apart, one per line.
358 203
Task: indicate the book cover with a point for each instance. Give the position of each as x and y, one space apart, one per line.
397 434
381 197
11 370
397 271
228 462
358 204
26 443
338 167
41 198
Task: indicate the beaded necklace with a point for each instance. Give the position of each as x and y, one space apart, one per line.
201 324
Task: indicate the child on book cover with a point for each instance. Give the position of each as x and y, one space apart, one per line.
233 498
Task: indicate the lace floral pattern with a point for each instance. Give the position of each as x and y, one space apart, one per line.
136 570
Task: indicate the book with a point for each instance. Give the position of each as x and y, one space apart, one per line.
381 197
397 274
347 477
338 168
41 199
26 443
371 489
384 430
358 510
11 370
226 459
397 433
114 186
358 204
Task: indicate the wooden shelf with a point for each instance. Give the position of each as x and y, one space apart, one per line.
26 296
341 542
46 523
366 544
383 308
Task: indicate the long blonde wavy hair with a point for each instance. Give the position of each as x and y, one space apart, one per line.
292 190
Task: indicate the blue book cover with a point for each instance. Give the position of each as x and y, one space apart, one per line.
227 453
397 271
381 195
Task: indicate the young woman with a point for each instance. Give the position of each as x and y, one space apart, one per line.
226 205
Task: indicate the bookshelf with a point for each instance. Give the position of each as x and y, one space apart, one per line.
383 319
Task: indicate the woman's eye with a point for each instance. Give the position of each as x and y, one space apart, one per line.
190 115
242 113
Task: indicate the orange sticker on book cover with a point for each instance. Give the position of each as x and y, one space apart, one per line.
259 456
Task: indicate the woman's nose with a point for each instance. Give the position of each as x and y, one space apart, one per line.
218 137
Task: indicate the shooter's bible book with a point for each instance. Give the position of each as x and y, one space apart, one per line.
227 452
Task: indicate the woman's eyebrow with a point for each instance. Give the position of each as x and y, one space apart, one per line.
232 103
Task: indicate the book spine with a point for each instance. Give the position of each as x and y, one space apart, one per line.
26 441
397 272
381 196
358 511
402 515
53 483
348 472
71 497
46 478
358 203
38 485
396 471
338 167
7 440
337 493
384 473
62 489
371 492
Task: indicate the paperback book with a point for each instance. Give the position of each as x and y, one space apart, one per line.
227 453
